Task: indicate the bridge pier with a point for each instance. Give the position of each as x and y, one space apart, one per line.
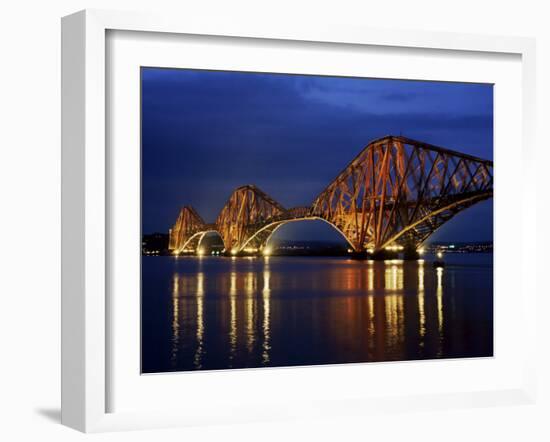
382 255
407 254
410 253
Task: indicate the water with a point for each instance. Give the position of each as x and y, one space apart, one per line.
219 313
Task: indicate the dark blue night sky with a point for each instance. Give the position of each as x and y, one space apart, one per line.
204 133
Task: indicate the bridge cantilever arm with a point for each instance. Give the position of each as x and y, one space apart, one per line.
467 202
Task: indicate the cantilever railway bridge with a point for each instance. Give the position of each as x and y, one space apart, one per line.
396 192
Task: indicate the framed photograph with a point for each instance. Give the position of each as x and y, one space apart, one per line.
354 270
275 222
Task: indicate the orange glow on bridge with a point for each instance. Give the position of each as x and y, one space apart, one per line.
392 196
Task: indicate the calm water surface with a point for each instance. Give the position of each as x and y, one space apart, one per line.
217 313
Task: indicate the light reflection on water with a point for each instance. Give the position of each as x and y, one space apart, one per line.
265 325
420 297
215 313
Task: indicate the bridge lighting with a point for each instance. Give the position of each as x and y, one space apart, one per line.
440 254
350 250
371 251
267 214
175 253
200 252
421 251
267 251
394 248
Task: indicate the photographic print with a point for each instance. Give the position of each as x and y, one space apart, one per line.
298 220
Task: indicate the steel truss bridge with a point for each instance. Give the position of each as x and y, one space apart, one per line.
394 194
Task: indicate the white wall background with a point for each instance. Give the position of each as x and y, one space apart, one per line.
30 215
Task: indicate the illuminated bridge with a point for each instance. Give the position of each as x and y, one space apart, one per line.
394 194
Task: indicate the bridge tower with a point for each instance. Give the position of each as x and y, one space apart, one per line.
186 232
248 211
398 191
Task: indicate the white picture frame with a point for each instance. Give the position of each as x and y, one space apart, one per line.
85 307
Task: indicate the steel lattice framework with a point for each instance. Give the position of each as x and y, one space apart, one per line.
247 211
397 191
188 225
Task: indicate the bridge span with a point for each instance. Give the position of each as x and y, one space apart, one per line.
395 193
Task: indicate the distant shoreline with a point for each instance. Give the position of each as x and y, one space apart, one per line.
321 255
156 244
